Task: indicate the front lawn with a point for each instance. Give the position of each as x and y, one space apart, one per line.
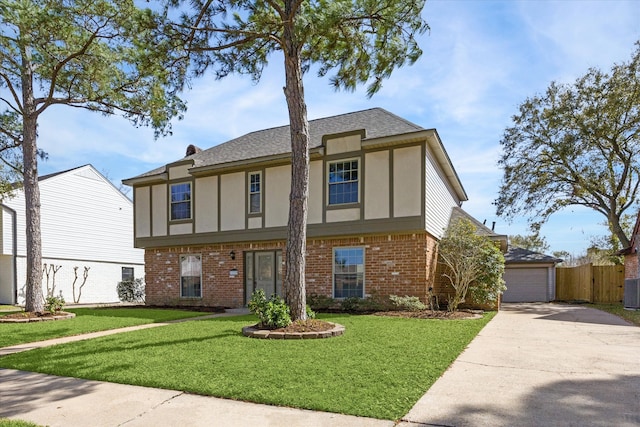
632 316
379 368
87 320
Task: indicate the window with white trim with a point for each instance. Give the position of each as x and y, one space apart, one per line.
348 272
181 201
127 273
190 276
255 192
343 182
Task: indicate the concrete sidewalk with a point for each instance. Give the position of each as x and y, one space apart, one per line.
540 365
532 365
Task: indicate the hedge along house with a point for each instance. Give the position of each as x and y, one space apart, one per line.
213 224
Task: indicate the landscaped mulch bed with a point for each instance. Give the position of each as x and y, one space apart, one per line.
432 314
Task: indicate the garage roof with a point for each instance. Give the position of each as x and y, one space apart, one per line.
521 255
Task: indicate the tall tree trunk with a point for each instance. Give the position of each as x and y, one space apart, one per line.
294 280
34 299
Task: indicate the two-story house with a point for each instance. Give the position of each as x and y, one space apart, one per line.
213 224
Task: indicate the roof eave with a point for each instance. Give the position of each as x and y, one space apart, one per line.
151 179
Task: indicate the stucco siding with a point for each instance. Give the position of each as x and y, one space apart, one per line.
278 187
337 215
143 211
206 201
6 278
232 201
376 185
316 188
159 210
407 183
343 144
177 172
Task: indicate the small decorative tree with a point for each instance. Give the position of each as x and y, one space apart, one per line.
473 263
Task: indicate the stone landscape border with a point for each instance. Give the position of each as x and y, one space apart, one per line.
61 316
253 332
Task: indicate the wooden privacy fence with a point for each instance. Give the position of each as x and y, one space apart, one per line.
592 283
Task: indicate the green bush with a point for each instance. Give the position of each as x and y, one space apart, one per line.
273 312
407 303
54 304
131 290
320 302
310 313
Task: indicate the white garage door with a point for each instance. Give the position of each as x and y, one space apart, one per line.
526 285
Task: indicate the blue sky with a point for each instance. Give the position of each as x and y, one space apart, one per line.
481 60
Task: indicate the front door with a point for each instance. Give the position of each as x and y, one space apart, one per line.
263 271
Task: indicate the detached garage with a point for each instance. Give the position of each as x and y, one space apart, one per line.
529 276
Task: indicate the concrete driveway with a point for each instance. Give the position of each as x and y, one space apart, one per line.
532 365
540 365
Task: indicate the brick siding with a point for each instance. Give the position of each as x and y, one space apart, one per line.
631 266
401 264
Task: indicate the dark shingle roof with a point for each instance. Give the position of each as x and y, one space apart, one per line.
520 255
376 122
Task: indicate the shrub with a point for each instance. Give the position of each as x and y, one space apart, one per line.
54 304
407 303
131 290
320 302
351 304
310 313
273 312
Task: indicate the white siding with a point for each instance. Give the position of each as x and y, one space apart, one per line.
6 227
85 220
439 198
83 216
102 279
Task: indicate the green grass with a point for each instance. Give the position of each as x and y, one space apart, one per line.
9 308
632 316
379 368
5 422
87 320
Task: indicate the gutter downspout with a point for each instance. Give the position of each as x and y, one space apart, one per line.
14 233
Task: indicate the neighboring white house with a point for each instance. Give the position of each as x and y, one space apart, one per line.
86 223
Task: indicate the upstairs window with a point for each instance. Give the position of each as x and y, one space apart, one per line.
181 201
255 192
343 182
